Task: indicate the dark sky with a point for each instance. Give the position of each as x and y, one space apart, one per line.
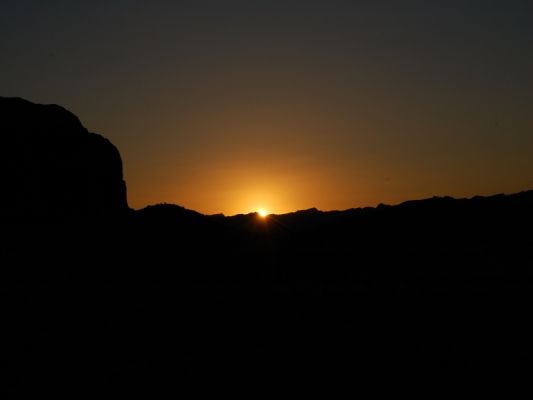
229 106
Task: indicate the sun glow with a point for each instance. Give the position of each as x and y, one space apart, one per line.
262 213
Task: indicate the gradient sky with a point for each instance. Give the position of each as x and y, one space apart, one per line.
229 106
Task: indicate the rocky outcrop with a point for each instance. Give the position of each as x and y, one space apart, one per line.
52 168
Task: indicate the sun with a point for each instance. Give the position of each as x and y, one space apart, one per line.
262 213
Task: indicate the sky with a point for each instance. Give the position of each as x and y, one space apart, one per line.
231 106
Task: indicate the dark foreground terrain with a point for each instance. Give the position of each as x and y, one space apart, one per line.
104 299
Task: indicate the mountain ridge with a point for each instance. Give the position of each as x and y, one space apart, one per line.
439 243
525 195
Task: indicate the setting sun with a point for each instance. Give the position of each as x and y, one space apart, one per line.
262 213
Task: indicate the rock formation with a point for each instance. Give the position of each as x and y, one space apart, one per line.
53 169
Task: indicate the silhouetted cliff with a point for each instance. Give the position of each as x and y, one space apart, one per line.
52 168
132 306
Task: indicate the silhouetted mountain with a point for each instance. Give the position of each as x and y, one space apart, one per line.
170 214
433 245
53 169
176 220
147 300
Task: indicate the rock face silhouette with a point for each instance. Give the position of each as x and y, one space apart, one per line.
52 168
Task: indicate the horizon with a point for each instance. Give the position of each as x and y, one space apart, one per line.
286 106
266 213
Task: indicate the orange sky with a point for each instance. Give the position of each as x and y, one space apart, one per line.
284 105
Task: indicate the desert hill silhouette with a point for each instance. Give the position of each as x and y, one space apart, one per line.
100 296
54 170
